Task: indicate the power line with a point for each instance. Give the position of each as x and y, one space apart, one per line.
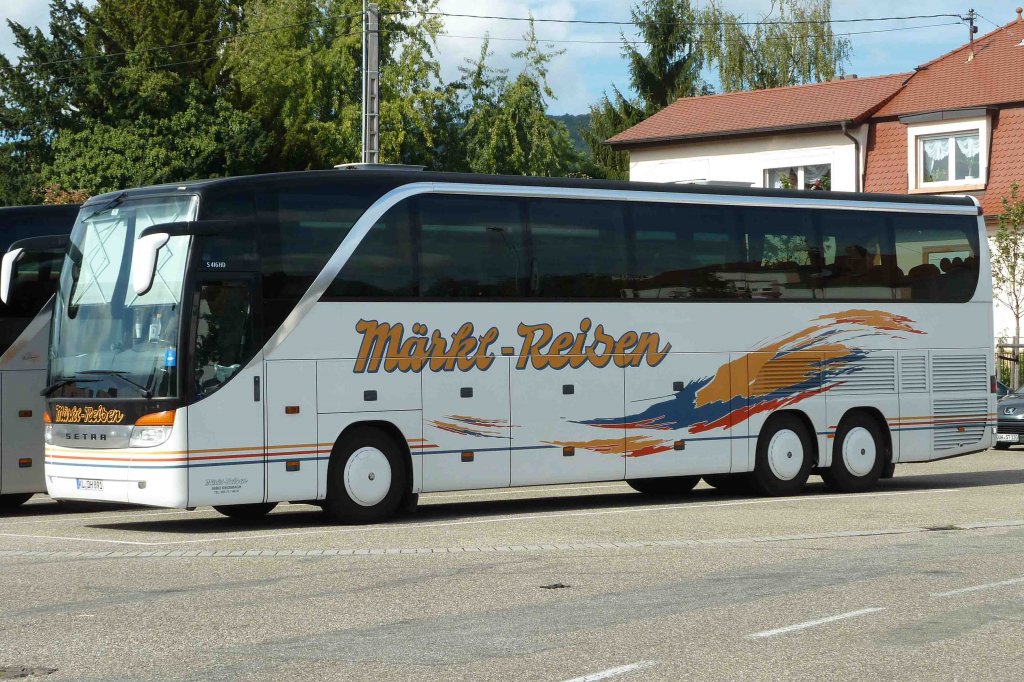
600 22
642 42
172 46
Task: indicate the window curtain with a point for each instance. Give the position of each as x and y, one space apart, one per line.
968 157
936 153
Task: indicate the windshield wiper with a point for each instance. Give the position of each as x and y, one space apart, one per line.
145 392
107 206
63 382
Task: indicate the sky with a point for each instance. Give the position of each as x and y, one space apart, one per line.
585 70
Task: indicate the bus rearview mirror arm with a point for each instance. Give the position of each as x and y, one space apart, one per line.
17 250
153 238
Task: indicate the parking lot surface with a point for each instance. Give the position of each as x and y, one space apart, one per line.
922 578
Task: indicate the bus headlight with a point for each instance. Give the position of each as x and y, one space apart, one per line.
152 429
48 433
148 436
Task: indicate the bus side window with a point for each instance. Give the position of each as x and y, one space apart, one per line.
224 333
384 263
860 256
939 256
685 251
784 254
578 249
471 247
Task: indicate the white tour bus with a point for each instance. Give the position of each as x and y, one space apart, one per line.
356 337
38 238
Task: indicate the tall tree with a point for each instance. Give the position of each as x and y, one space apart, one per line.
669 67
108 101
515 135
1008 257
793 43
299 72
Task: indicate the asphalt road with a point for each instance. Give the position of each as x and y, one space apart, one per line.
921 579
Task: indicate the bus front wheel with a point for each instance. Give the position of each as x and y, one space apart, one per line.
859 454
366 478
246 512
669 485
785 452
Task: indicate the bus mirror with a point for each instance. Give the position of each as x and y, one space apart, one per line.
144 255
15 252
7 266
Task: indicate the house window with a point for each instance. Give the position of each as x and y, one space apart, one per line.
952 158
818 176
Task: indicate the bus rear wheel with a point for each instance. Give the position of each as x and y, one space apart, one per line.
668 485
14 500
366 478
859 454
785 451
246 512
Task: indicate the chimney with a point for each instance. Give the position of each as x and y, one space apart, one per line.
1020 11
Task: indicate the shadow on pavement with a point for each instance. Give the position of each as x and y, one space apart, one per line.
302 517
47 507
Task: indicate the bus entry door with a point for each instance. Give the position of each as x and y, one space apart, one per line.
225 422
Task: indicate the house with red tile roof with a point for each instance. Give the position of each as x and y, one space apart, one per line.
953 125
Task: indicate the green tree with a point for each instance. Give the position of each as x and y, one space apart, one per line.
109 100
1008 257
792 44
304 83
667 69
508 130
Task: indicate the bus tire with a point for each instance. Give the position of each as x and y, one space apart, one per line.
14 500
731 484
859 454
366 478
1002 446
666 485
785 454
246 512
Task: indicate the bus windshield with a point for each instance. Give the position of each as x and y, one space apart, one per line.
101 327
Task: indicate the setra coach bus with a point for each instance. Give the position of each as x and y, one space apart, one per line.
355 337
38 237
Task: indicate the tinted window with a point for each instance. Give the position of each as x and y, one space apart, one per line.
686 251
784 254
471 247
860 258
384 264
578 249
937 257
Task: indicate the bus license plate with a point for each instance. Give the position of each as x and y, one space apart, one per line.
89 484
1007 437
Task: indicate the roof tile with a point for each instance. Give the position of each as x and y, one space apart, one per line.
763 110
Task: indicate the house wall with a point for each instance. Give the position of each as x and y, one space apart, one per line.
746 159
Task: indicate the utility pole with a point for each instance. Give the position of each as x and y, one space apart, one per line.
971 31
371 84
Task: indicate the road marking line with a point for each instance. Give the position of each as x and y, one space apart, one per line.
504 549
814 623
613 672
975 588
98 516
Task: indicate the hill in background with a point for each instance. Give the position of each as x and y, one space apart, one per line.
575 123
